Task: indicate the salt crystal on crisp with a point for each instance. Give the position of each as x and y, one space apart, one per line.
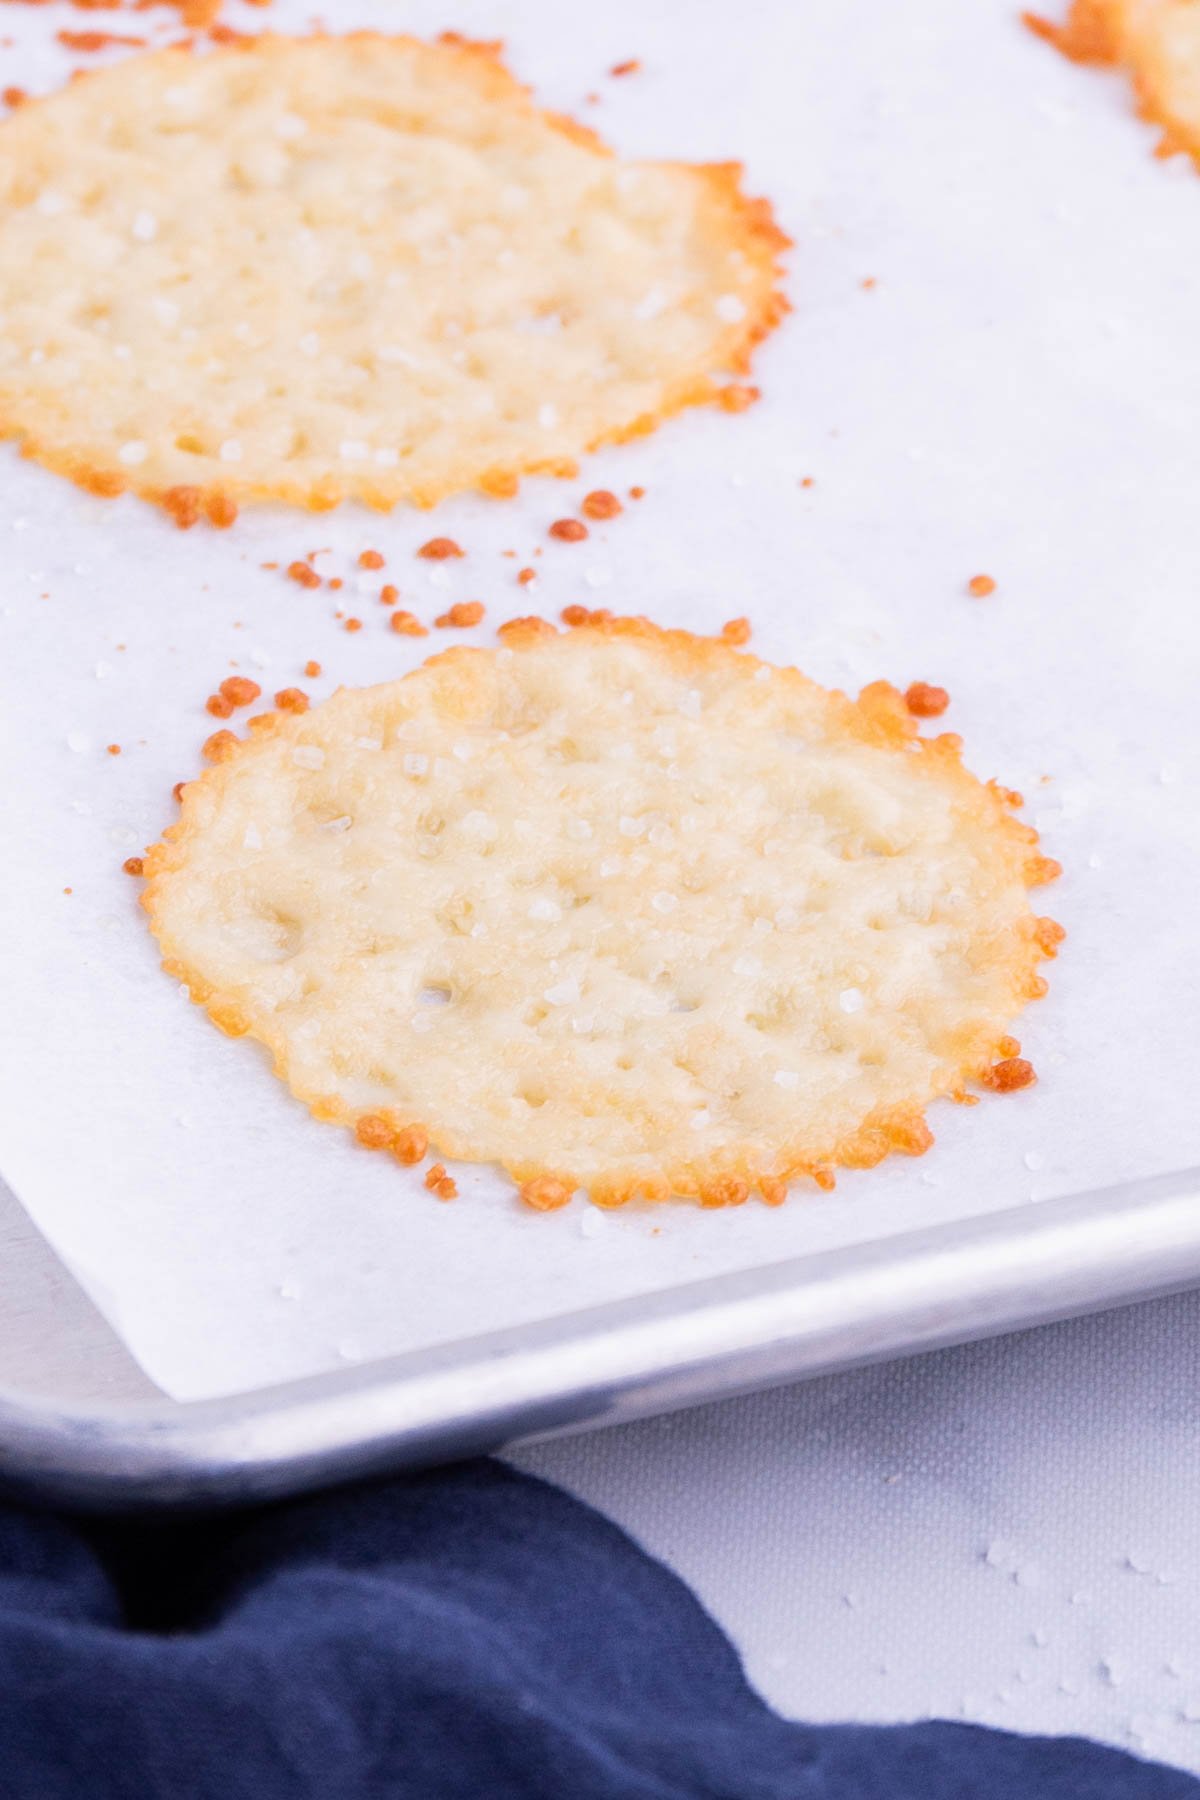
543 908
665 902
563 993
787 1078
230 451
308 756
651 303
851 1000
415 763
132 453
252 838
144 227
729 308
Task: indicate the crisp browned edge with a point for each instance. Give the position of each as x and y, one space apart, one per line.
1121 34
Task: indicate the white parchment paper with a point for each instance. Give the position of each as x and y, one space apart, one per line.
1016 395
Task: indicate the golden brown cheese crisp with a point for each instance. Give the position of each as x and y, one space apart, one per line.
1158 41
619 909
358 267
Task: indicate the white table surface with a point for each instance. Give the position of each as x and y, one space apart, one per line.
1007 1532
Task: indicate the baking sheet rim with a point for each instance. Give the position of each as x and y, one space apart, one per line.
609 1364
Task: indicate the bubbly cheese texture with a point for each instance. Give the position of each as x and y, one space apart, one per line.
360 267
1158 41
619 909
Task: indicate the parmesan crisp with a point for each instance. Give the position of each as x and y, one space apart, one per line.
619 909
365 267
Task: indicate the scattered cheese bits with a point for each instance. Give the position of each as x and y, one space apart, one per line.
408 625
600 504
925 702
239 690
486 901
980 586
462 615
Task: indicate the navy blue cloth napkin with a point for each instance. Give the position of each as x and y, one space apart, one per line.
466 1635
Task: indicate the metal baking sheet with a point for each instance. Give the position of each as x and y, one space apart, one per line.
1005 398
602 1366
